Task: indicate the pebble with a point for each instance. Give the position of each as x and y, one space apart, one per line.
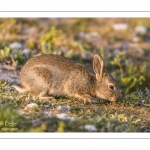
65 116
135 39
143 101
9 77
62 115
71 118
63 108
141 29
32 105
16 45
48 113
125 46
89 127
120 26
115 52
92 36
81 34
26 52
86 56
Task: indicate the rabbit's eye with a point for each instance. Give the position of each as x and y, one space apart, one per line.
111 87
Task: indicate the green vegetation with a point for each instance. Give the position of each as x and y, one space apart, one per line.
14 58
126 54
48 43
132 76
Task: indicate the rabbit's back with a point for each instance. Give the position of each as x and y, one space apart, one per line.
54 74
49 61
55 64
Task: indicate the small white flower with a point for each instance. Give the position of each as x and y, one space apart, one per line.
143 101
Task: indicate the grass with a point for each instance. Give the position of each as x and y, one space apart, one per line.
128 115
77 39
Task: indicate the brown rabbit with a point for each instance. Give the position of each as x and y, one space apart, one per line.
53 75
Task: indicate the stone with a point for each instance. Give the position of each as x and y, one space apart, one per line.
120 26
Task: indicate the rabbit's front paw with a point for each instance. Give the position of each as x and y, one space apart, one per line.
87 98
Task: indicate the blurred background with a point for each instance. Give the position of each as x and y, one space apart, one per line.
124 43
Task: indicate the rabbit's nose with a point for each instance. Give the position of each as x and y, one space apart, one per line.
118 96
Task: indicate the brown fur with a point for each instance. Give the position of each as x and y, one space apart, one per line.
54 75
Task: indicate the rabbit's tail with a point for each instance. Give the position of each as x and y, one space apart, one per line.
20 88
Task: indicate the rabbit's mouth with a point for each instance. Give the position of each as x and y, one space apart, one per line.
115 98
111 99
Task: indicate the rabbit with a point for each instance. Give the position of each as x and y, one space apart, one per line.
51 75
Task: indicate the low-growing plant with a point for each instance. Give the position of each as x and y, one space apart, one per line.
11 120
48 40
5 53
31 45
14 58
138 97
130 74
18 58
117 123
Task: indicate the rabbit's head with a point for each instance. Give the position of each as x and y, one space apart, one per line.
106 85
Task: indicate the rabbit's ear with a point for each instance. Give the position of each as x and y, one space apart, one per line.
98 66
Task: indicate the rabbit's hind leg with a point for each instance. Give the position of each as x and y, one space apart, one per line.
20 88
43 96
